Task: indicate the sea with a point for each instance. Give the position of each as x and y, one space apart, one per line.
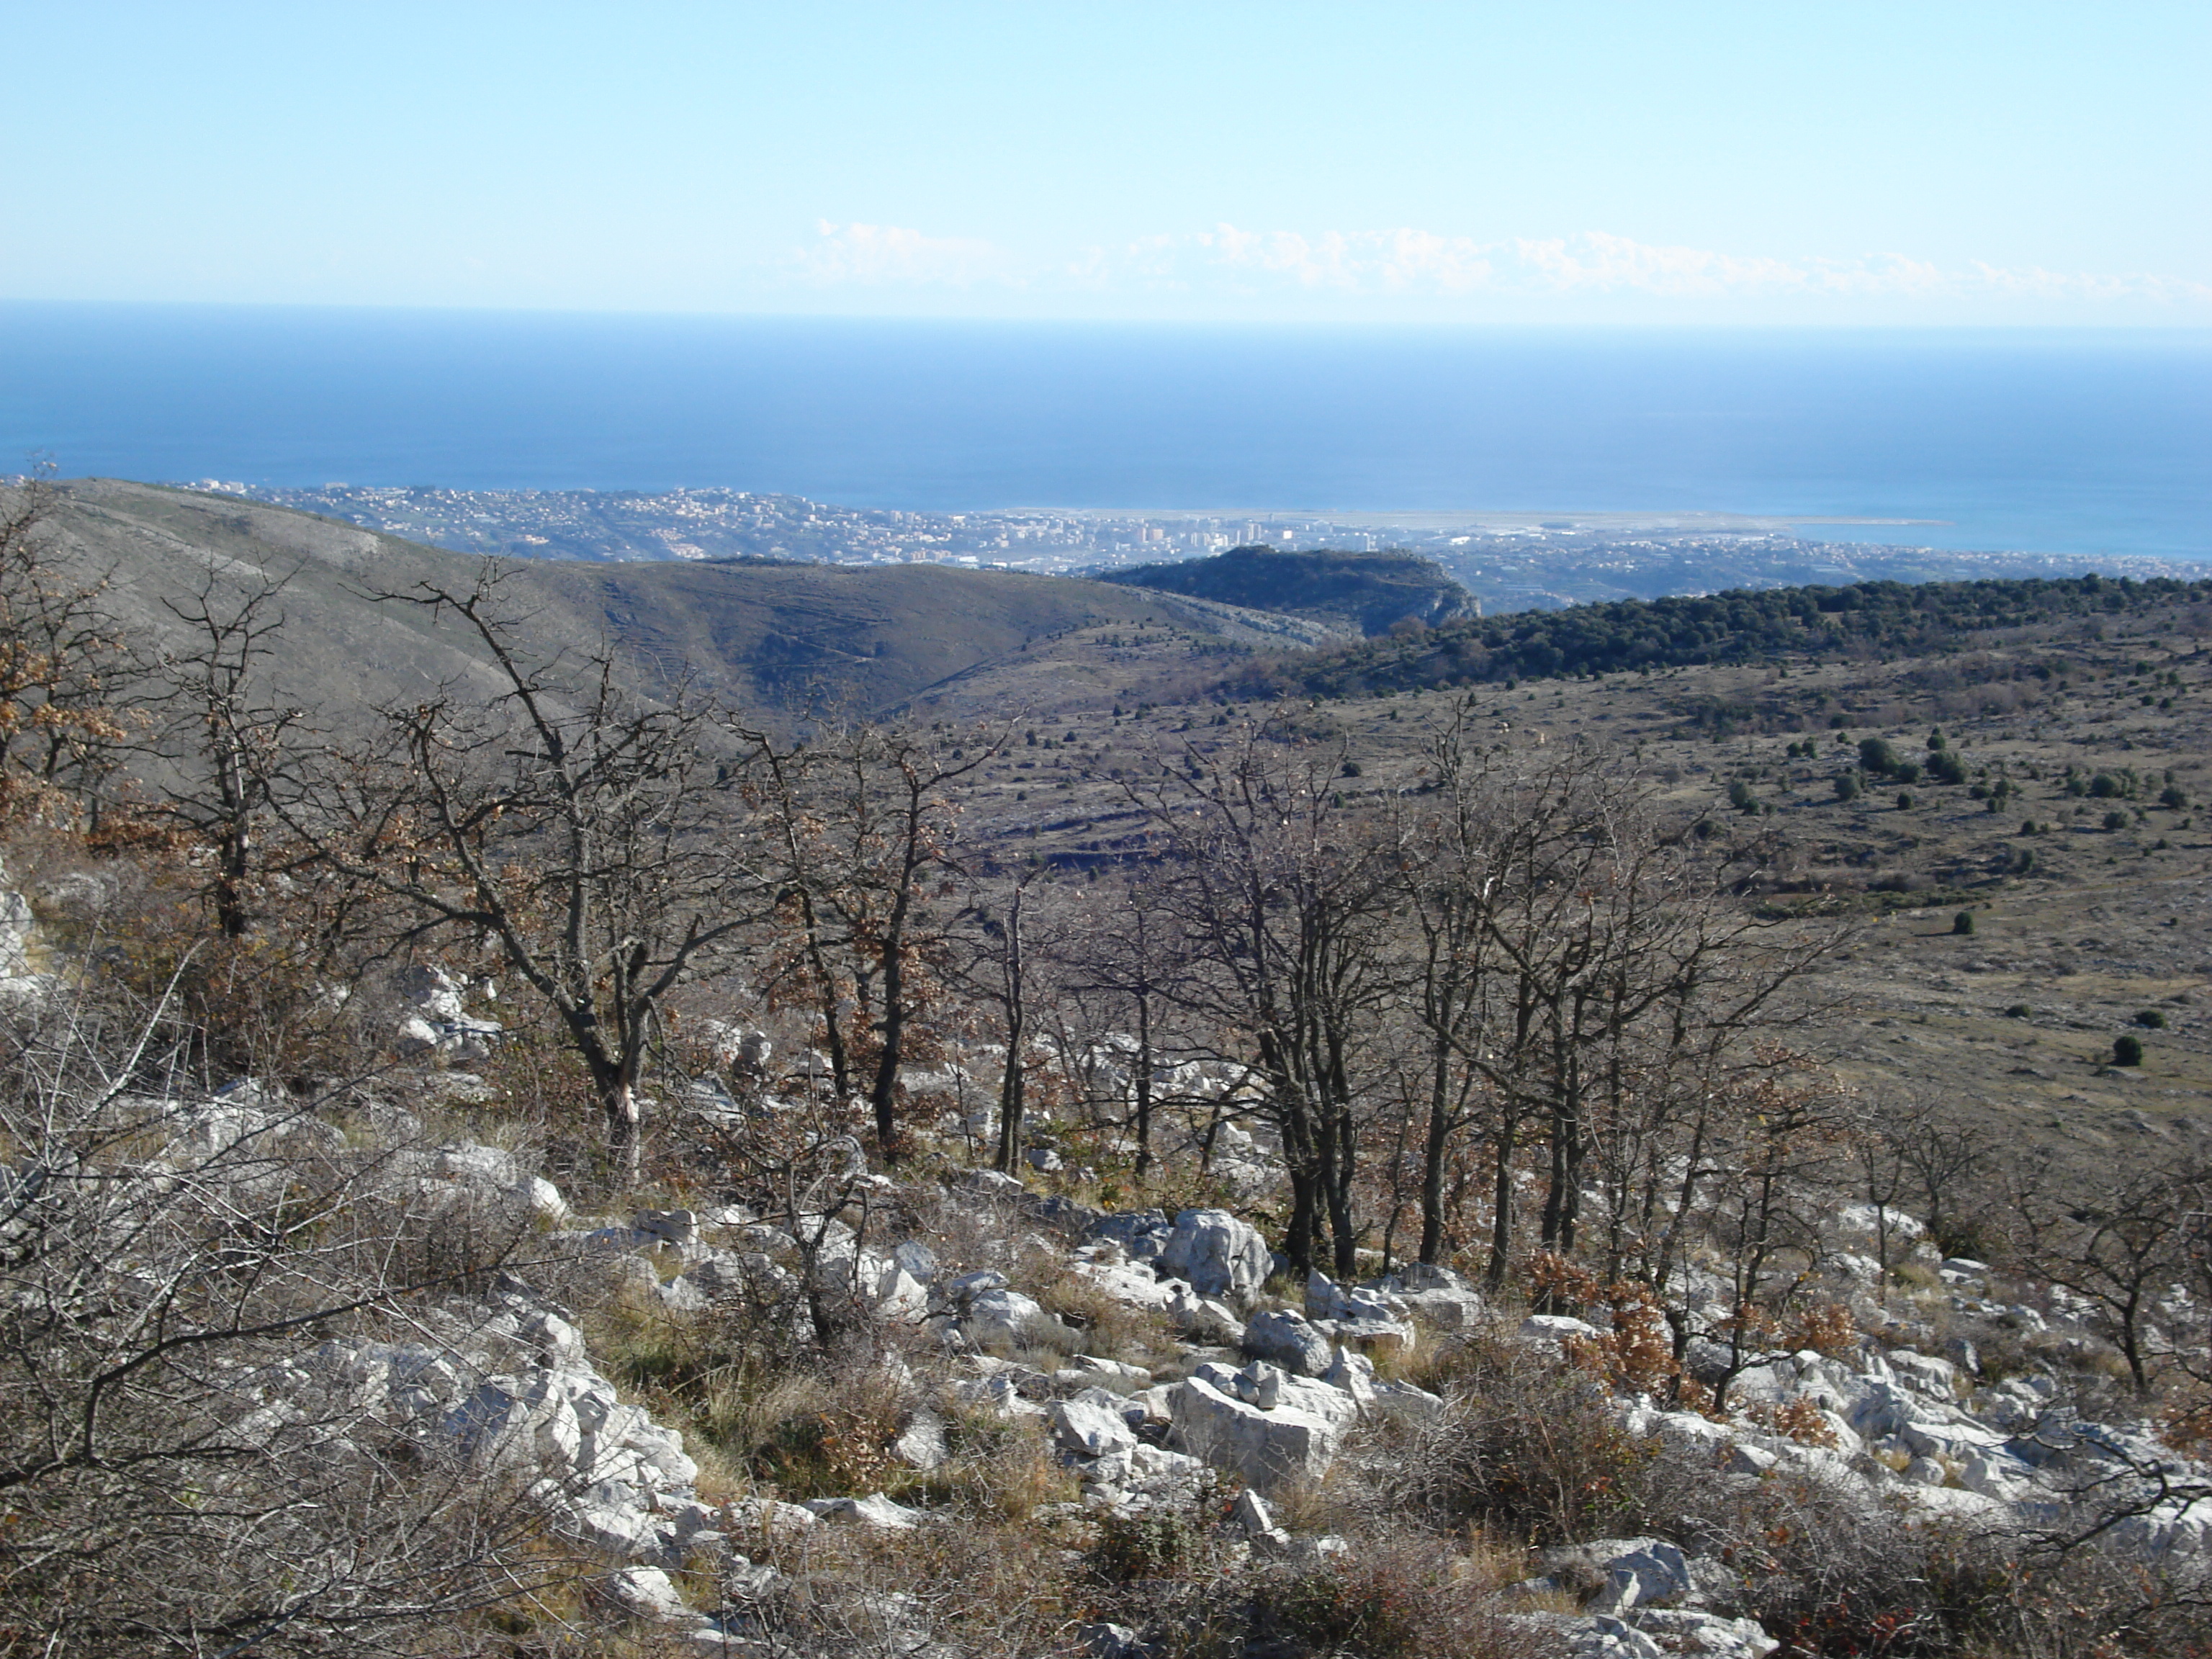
2079 442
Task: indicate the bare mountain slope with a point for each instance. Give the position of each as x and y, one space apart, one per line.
772 637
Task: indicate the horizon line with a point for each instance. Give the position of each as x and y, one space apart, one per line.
1614 325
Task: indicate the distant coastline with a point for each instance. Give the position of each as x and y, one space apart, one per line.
1509 562
2070 443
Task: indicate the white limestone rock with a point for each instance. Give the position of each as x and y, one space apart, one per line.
917 1260
1132 1283
1202 1319
921 1444
649 1593
1554 1328
1385 1336
1087 1428
1590 1636
1454 1311
991 1183
1289 1340
1114 1369
1005 1319
770 1518
1265 1446
1707 1635
876 1510
1651 1575
1353 1374
1217 1253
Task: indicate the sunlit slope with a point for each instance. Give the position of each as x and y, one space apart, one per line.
782 639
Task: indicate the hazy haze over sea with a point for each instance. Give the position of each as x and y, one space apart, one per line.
2065 441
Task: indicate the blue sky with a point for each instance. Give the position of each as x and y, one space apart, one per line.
1549 161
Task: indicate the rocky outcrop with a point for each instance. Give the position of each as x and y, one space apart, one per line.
1915 1435
516 1394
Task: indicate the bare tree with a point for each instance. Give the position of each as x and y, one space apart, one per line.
1776 1140
1896 1141
1123 953
1943 1165
800 1168
590 839
1284 896
63 659
1631 987
864 834
999 964
226 743
1452 981
2120 1237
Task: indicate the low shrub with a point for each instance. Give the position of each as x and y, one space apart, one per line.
1108 1329
1398 1596
1528 1449
1171 1543
999 1470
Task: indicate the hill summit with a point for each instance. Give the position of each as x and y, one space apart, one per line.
1367 592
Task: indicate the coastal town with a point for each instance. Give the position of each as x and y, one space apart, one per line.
1511 561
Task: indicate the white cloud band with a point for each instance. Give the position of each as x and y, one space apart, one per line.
1408 263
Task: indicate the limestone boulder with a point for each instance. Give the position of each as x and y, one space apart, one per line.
1088 1427
1266 1448
1707 1635
1653 1573
876 1510
1000 1319
647 1593
1289 1340
921 1444
1216 1255
1553 1330
1455 1311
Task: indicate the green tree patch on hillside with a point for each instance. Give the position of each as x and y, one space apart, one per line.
1374 592
1746 626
